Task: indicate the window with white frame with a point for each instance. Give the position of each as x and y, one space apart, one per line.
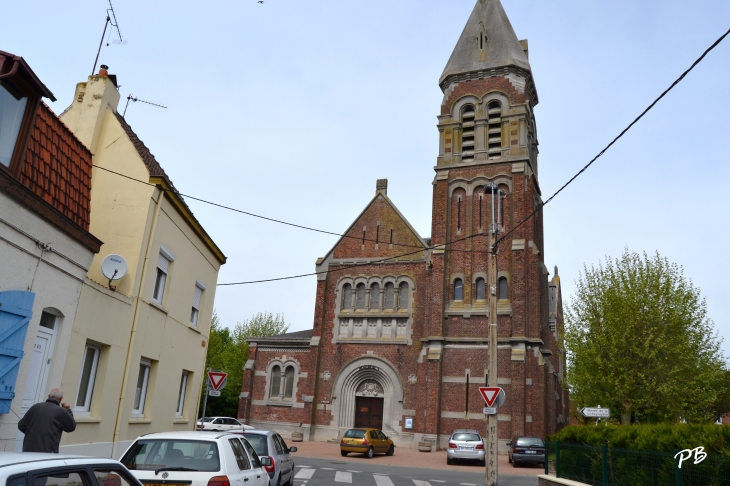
181 395
197 297
89 366
163 269
140 394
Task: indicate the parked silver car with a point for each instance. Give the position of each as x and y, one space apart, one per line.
465 444
269 443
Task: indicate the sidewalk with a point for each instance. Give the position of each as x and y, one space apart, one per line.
404 458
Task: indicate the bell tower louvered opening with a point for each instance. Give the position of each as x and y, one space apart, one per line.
494 129
468 113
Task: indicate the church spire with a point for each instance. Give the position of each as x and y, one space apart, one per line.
487 42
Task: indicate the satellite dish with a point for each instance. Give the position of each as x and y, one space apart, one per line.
114 267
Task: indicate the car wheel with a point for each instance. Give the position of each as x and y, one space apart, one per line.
514 463
369 453
449 461
391 451
343 453
509 459
278 483
483 462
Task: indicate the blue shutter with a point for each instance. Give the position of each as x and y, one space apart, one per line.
15 310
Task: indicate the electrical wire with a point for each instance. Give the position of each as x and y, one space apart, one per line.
540 206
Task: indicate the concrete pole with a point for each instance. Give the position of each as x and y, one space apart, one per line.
492 427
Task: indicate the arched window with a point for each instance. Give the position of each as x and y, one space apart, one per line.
458 289
503 289
289 388
275 382
494 129
403 296
346 297
468 113
389 296
375 296
481 289
360 296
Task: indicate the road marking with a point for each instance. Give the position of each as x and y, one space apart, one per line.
350 470
420 483
301 466
382 480
436 481
468 484
343 477
305 473
327 468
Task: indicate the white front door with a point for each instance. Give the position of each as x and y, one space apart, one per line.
35 386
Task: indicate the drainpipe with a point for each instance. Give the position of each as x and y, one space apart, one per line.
315 399
133 334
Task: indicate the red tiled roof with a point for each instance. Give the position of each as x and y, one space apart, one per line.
58 167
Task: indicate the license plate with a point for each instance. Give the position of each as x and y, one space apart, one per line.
165 484
531 452
466 448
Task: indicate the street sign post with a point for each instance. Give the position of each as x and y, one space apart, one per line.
597 412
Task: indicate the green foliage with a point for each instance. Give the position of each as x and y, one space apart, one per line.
228 351
639 342
652 437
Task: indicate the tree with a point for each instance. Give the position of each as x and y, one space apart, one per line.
639 341
228 352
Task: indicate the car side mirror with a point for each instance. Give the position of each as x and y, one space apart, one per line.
265 461
293 449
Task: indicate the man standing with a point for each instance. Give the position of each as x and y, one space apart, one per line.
44 423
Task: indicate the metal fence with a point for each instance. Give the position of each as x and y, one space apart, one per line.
608 466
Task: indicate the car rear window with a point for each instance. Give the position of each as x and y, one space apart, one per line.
355 434
258 442
529 442
153 454
466 437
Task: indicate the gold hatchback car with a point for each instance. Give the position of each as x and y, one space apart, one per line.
366 441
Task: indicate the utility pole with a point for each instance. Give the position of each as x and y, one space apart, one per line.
492 426
205 400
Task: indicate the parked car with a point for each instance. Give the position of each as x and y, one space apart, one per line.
465 444
29 468
526 450
221 423
366 441
196 459
271 444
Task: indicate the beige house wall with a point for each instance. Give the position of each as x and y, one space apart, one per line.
135 220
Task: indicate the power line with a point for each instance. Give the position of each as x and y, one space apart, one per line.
540 206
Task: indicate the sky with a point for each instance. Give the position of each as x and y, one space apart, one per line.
293 109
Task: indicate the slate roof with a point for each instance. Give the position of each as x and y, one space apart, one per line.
501 49
285 337
58 167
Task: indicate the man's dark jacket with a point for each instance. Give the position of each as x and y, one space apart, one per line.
43 424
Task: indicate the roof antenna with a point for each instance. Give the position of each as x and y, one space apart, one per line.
110 14
134 98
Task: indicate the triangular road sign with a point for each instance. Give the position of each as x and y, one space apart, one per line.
217 378
489 394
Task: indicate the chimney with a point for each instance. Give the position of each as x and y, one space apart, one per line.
104 70
381 187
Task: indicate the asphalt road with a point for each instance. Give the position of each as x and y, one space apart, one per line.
315 472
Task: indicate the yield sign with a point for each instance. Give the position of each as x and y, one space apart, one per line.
489 394
217 378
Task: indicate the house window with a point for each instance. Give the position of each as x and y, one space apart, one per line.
12 110
181 395
481 289
494 129
403 296
289 377
197 297
140 394
458 289
275 382
88 376
346 297
360 296
389 295
468 114
163 269
503 288
375 296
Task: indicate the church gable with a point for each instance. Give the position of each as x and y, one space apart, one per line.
380 232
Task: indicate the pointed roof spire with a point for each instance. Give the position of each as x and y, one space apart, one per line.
487 42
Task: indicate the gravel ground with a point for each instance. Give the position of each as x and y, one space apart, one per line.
404 457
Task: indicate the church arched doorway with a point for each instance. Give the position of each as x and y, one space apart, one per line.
369 400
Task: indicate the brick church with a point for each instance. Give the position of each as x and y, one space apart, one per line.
399 338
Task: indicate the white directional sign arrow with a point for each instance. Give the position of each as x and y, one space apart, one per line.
595 412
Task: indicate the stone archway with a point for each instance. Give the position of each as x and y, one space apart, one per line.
368 377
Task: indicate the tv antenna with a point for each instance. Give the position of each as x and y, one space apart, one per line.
134 98
110 14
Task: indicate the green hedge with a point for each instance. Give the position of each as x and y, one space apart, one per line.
653 437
